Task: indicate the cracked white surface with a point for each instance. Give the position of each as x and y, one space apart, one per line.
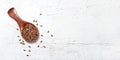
83 29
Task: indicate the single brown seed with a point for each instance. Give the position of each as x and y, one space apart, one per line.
27 55
37 24
40 13
29 46
29 50
17 29
48 31
51 35
38 46
36 21
24 50
33 20
41 25
41 35
19 39
41 41
44 46
18 36
22 43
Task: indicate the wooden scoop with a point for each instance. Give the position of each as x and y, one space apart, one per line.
28 30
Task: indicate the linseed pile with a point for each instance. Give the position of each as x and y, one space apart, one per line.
30 33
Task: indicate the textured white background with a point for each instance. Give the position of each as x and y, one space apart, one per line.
83 29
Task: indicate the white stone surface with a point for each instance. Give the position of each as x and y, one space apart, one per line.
83 29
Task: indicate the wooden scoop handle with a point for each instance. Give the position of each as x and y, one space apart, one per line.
13 14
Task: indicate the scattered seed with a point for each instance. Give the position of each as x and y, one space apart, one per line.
40 13
27 55
41 41
22 43
29 46
38 46
17 29
36 21
37 24
41 35
33 20
44 46
48 31
51 35
19 39
18 36
24 50
29 50
41 25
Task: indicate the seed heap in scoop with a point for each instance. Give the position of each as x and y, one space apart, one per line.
30 33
